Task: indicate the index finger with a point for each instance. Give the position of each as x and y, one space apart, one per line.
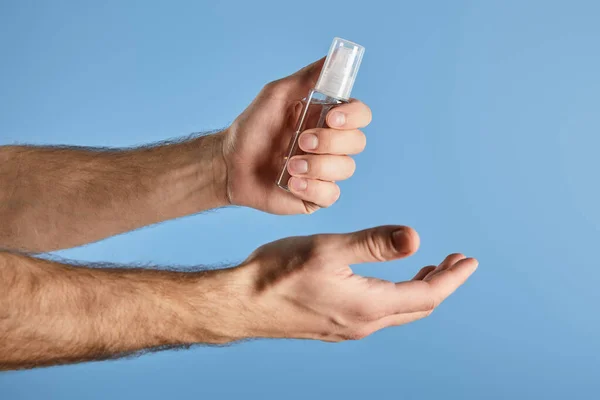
447 281
416 295
352 115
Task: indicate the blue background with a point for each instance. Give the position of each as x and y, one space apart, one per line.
484 138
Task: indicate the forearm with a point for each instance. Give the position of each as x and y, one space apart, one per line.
59 197
54 313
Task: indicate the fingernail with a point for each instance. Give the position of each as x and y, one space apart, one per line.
401 240
337 119
298 166
309 141
298 184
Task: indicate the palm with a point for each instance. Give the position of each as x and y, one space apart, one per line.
315 289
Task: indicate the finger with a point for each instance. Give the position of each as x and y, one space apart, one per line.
331 141
419 295
386 298
447 281
321 193
323 167
370 245
353 115
306 78
423 272
448 261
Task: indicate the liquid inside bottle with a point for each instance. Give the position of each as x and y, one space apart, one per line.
316 107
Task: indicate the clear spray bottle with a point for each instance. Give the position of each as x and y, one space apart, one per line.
333 88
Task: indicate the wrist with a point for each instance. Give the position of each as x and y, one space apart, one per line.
192 178
218 168
217 306
211 168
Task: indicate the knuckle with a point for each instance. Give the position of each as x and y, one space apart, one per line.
276 87
315 247
321 250
375 246
269 87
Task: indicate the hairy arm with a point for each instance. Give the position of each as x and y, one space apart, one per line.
59 197
299 287
53 313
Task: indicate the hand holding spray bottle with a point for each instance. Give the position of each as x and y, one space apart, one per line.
333 88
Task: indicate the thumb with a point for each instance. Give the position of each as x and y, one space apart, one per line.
383 243
307 77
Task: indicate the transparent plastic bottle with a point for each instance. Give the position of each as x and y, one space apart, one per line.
333 88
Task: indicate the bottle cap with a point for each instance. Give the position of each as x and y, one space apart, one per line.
340 69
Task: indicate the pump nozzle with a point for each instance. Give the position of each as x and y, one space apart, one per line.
340 69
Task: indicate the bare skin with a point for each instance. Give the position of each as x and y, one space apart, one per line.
58 197
301 287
